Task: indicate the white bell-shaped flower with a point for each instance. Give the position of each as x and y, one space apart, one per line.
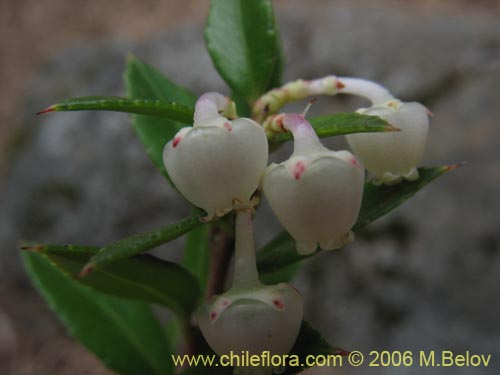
251 317
217 162
267 319
316 194
392 156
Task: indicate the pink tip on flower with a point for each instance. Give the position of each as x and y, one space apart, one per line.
354 162
213 315
279 304
298 169
298 125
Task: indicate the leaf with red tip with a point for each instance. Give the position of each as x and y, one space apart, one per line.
143 277
151 107
139 243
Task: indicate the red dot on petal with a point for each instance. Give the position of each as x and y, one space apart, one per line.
213 315
354 162
176 141
339 85
279 304
228 126
298 169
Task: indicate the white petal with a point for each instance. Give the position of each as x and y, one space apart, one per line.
248 324
212 166
319 202
393 153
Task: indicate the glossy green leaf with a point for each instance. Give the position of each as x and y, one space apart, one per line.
144 82
377 201
139 243
143 278
124 334
151 107
243 41
279 68
311 342
340 124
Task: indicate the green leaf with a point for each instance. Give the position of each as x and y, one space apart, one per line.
243 41
279 68
151 107
144 82
139 243
281 275
144 277
377 201
277 255
196 256
340 124
310 342
124 334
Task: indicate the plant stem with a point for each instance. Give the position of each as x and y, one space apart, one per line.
221 244
245 266
375 93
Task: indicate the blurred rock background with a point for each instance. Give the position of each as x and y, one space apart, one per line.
425 277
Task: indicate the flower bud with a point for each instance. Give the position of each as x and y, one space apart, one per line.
218 162
395 155
316 194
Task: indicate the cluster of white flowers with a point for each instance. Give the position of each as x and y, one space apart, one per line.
220 162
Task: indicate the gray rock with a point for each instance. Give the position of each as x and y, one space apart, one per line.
424 277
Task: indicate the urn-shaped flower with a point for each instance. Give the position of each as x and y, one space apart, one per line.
316 194
266 318
393 156
251 317
217 163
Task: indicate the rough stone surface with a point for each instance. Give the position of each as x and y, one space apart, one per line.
424 277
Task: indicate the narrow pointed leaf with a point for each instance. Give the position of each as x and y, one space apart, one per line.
139 243
143 277
152 107
124 334
243 40
340 124
310 343
377 201
144 82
